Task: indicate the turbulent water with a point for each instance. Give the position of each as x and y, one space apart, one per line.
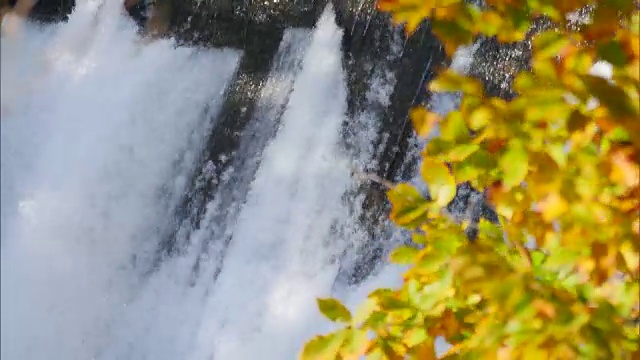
100 133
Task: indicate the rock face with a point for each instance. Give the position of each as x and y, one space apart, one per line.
47 10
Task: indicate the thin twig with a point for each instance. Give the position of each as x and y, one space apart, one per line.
373 178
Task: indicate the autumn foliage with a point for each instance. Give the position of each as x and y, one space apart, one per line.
558 276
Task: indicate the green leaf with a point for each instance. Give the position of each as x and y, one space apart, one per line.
442 185
404 255
415 336
490 231
515 165
537 258
558 153
613 52
408 207
549 43
334 310
438 146
461 152
454 128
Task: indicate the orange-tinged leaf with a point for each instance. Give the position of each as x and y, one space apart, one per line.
424 121
425 351
625 170
545 308
442 185
495 145
553 206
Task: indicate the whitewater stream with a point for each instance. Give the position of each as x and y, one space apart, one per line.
100 133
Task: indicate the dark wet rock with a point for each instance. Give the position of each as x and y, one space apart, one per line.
49 10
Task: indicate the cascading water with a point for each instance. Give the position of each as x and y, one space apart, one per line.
94 151
101 131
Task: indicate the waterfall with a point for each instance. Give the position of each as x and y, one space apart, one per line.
101 139
94 150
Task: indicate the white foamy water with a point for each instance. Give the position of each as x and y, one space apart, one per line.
279 257
93 147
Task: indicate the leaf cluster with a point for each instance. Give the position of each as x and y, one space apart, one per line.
558 278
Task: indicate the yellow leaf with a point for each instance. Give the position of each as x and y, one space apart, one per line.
553 206
355 345
549 44
323 347
411 12
334 310
449 80
454 128
515 165
461 152
423 120
363 311
404 255
481 117
408 207
625 170
442 185
415 337
631 257
489 23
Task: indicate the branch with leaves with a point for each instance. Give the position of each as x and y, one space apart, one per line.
560 277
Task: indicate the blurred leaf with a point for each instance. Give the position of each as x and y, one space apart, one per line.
334 310
549 44
323 347
356 343
442 185
461 152
454 129
409 208
515 165
553 206
423 120
404 255
450 80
